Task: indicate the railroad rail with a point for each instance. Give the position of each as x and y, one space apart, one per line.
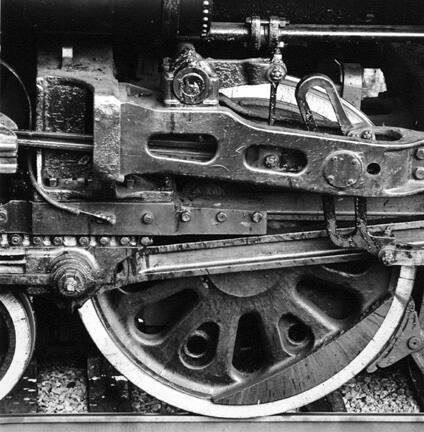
292 423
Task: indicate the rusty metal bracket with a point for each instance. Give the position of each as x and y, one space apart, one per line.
359 238
390 251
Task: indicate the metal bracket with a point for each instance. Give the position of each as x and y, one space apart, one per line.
359 238
361 130
409 339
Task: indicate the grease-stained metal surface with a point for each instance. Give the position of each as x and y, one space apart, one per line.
202 228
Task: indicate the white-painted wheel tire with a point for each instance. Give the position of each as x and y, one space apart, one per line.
17 312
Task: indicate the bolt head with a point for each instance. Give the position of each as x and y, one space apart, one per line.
415 343
272 161
148 218
125 241
104 241
185 216
16 240
3 216
84 241
36 241
257 217
420 153
419 173
58 241
221 217
146 241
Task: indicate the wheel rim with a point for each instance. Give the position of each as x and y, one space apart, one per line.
171 361
17 332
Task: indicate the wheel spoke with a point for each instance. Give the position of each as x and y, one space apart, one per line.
274 345
228 323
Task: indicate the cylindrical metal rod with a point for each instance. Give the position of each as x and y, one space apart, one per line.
55 141
240 31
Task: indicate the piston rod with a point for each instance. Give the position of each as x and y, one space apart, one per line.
241 31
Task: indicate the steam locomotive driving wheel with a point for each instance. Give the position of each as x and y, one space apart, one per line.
238 242
250 344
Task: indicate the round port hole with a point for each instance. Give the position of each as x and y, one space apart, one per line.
373 168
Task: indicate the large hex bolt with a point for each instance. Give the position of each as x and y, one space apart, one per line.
72 275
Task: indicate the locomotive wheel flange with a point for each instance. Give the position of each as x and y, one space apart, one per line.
220 346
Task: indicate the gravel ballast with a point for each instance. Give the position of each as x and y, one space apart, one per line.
62 389
386 391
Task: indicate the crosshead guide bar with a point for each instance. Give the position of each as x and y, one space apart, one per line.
289 423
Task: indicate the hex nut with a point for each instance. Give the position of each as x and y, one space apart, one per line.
257 217
84 241
419 173
221 217
420 153
36 241
148 218
185 216
16 240
58 241
104 241
125 241
146 241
